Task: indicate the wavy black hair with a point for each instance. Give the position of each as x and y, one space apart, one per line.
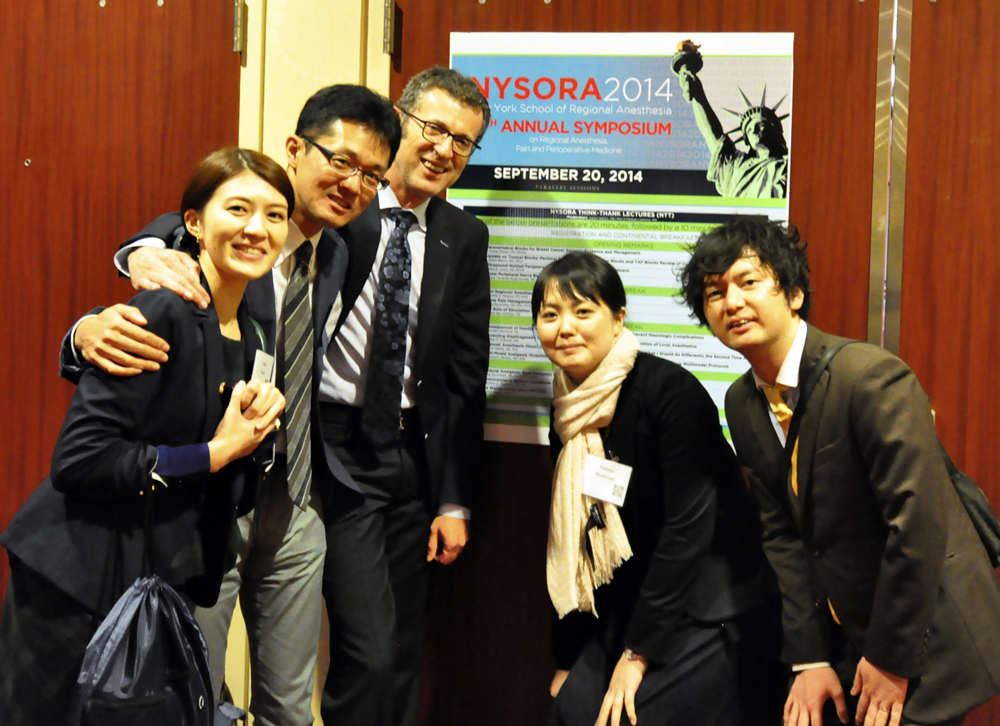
779 249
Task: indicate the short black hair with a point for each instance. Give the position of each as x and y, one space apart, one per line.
460 87
779 249
350 102
580 275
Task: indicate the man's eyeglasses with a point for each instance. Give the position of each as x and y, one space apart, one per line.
436 133
343 166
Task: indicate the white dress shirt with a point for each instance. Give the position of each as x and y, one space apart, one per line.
348 353
788 376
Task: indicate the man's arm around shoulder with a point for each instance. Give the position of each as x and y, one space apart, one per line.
113 338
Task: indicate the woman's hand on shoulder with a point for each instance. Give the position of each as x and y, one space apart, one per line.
240 431
621 691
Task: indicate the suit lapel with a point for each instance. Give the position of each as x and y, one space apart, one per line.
816 344
760 421
437 263
759 418
326 287
251 342
362 238
259 299
208 321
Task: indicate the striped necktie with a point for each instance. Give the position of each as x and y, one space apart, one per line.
297 385
380 411
784 415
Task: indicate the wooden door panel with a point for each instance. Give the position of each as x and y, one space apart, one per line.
113 106
951 260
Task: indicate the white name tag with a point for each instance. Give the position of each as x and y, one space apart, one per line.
605 480
263 367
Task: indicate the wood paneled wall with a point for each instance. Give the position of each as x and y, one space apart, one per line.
104 111
951 258
488 656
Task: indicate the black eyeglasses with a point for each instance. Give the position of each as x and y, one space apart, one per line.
343 166
436 133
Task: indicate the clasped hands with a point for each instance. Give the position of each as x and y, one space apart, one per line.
880 703
251 415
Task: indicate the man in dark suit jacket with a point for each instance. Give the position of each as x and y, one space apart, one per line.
887 591
419 472
344 143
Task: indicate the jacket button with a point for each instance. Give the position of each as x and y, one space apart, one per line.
815 554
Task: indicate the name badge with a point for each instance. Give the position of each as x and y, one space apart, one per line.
605 480
263 367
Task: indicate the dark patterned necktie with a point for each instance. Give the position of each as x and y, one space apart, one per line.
298 360
384 387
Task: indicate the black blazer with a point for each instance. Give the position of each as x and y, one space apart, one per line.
876 528
691 522
452 344
82 529
336 488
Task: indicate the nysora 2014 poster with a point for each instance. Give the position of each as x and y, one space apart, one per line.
628 145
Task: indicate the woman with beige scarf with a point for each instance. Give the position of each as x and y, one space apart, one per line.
667 609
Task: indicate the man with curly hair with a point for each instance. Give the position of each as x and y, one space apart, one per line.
888 595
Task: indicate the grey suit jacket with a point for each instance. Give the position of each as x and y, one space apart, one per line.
876 528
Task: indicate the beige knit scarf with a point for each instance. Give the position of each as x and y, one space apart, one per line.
580 410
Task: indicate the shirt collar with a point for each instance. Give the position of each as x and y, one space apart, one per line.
387 200
294 241
788 374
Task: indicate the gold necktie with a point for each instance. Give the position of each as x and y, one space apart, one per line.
784 415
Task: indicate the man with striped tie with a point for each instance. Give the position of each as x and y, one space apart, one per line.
344 143
890 605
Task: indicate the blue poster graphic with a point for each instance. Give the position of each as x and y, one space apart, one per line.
630 146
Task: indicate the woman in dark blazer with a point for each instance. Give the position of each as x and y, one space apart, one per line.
172 445
686 612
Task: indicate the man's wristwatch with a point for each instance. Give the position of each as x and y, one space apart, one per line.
632 655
